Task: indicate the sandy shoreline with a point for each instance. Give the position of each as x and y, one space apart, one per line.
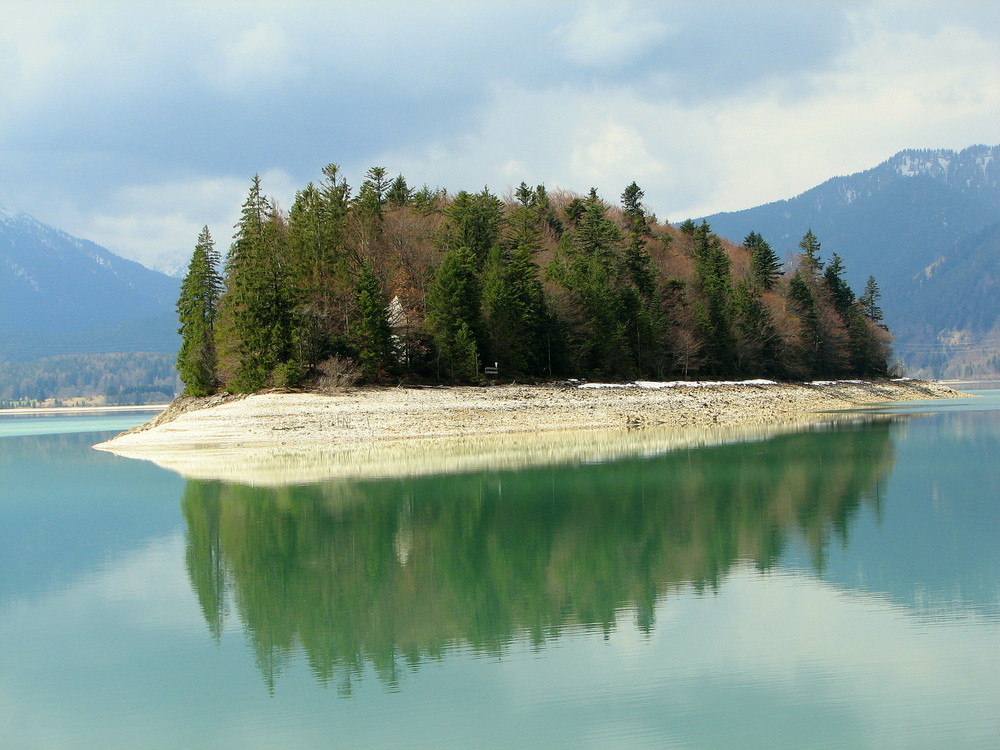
288 437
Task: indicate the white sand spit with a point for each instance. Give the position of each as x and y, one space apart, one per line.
277 438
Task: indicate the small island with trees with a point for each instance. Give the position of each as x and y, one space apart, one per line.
393 284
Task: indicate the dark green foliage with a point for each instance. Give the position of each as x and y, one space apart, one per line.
809 261
371 335
453 306
808 313
318 262
259 302
373 192
399 193
636 255
514 311
758 346
714 312
467 289
869 301
477 221
765 266
843 297
196 311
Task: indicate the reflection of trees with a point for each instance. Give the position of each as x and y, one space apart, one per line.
392 572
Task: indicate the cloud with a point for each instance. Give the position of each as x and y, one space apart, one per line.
258 60
609 34
709 106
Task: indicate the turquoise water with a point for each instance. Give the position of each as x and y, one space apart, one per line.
828 589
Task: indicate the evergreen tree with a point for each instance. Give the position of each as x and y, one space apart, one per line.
259 301
196 311
869 302
514 310
637 257
373 191
477 221
765 266
714 316
843 296
399 193
808 313
758 348
809 261
319 274
371 334
453 303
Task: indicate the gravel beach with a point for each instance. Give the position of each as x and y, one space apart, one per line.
276 437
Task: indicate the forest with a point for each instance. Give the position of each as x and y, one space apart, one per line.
395 284
89 379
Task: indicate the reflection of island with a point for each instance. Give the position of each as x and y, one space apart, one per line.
393 572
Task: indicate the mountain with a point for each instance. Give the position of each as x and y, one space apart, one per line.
926 224
64 295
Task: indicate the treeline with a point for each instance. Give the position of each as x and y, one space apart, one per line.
411 284
113 379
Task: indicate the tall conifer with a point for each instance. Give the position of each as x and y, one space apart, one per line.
196 311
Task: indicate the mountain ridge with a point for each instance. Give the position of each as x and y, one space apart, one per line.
919 215
54 287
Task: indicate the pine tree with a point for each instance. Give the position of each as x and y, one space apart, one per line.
371 334
843 296
758 346
399 193
809 261
714 282
765 266
373 191
636 256
453 303
259 302
317 228
196 311
514 310
808 313
869 302
477 221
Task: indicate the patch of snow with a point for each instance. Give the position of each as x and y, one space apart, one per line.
656 385
22 273
835 382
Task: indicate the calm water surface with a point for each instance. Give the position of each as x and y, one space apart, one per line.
835 588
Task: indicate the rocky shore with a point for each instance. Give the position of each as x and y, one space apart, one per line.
375 429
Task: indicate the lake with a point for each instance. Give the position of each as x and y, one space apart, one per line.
829 588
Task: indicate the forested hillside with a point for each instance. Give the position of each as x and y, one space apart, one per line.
104 379
422 285
80 323
927 225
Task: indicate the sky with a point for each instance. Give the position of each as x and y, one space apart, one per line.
135 124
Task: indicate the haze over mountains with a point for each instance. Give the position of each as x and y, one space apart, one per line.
63 295
926 224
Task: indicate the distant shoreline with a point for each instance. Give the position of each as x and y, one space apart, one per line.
29 410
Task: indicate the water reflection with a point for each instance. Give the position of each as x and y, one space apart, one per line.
394 572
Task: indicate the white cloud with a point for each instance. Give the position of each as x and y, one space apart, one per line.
101 103
157 224
609 34
260 58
